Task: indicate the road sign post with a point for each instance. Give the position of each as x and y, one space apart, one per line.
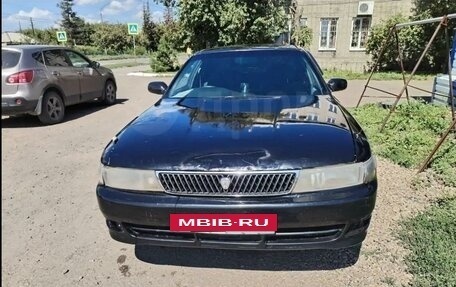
133 29
61 36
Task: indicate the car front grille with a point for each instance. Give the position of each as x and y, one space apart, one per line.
282 236
228 183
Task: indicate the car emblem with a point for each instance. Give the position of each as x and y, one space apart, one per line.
225 182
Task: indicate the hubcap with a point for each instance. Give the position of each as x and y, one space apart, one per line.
54 108
110 92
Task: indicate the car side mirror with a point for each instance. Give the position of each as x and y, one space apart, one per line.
337 84
95 64
157 87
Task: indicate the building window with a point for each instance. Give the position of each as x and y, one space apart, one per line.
328 30
302 22
332 108
316 105
312 117
331 120
360 32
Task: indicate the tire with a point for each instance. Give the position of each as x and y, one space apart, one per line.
52 109
109 93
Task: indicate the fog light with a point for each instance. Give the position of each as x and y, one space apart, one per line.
113 225
18 102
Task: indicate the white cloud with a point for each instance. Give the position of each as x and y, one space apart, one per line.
86 2
139 15
118 6
34 13
157 16
91 20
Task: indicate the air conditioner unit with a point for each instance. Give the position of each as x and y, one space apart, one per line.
365 7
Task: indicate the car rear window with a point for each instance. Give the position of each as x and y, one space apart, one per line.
10 58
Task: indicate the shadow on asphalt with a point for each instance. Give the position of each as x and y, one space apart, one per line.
248 259
71 113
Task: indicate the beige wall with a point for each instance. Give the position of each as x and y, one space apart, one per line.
345 10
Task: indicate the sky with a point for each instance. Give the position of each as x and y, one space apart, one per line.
46 14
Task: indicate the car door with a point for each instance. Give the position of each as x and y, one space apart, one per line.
62 74
91 80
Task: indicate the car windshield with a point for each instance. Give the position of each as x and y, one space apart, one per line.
10 59
249 73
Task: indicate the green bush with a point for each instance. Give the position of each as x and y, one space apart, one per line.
113 37
302 37
409 136
89 50
411 41
139 51
431 237
165 58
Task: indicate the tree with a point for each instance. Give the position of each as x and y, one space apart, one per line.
46 36
411 43
170 6
112 37
150 29
208 23
414 38
302 36
71 22
165 58
429 9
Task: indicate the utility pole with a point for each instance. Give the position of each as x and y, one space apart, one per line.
101 17
20 27
33 29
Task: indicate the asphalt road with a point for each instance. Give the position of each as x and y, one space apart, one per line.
54 234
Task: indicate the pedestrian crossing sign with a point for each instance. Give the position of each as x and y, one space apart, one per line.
133 28
61 36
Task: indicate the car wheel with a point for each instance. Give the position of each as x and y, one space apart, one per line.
109 93
52 109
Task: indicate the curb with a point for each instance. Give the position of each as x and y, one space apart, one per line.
141 74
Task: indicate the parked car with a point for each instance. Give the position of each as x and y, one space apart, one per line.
43 80
247 148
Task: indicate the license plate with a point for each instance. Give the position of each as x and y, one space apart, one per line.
238 223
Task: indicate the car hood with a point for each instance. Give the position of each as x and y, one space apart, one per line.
177 137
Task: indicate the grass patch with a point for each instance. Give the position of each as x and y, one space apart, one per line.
115 57
409 136
378 76
152 71
431 238
123 65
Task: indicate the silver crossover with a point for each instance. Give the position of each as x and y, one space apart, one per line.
43 80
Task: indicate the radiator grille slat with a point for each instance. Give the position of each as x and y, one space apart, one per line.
240 184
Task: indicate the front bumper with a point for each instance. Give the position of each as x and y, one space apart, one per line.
11 108
320 220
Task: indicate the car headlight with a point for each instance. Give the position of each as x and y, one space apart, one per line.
129 178
337 176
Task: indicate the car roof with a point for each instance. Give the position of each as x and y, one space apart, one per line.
225 49
32 47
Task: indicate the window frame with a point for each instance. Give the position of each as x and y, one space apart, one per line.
63 54
303 21
66 51
309 60
332 108
358 48
328 33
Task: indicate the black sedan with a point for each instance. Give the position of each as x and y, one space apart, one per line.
247 148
